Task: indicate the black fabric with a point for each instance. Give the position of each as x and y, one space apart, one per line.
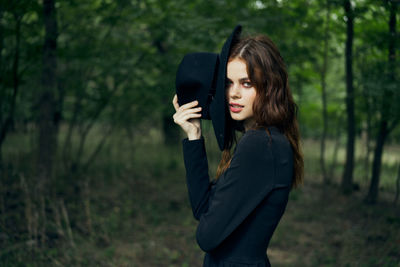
239 212
202 76
195 80
218 108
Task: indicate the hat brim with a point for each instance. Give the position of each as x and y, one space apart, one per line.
218 105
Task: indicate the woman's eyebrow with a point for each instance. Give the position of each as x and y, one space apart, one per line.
244 79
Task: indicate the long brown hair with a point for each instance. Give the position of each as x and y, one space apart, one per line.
274 104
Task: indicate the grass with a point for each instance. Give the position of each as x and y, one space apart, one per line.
361 175
324 228
141 215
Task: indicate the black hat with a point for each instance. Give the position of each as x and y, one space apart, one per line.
202 77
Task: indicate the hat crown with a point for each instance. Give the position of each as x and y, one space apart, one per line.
195 79
196 69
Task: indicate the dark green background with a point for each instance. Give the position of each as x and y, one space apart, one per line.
91 171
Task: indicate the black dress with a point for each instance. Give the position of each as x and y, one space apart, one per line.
239 212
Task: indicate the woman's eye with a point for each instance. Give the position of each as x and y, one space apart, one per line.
247 84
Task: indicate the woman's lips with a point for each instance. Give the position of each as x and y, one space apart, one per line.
235 108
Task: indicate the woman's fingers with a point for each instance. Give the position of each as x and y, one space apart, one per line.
191 116
186 118
189 105
175 102
183 115
191 110
183 107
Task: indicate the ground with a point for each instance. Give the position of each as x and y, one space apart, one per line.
140 216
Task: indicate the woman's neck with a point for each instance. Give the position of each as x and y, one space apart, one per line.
248 124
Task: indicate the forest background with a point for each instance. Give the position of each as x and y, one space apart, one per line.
91 169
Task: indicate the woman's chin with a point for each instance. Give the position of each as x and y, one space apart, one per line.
236 117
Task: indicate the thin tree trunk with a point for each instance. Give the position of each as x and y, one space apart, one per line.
367 129
396 198
47 103
384 128
368 140
47 109
1 37
1 76
170 130
15 74
324 100
376 167
335 151
347 179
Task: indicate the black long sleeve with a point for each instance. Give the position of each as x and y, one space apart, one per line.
197 177
255 170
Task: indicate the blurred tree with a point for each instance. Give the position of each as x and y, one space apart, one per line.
8 101
388 119
347 179
323 73
10 74
48 118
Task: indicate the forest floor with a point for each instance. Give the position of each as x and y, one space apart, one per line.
321 227
148 222
140 216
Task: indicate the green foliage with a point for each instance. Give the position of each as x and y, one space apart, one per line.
123 190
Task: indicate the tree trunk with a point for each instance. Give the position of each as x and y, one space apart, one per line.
368 135
47 103
384 128
171 131
376 166
9 120
347 179
396 198
336 147
323 94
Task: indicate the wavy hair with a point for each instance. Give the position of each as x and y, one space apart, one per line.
274 104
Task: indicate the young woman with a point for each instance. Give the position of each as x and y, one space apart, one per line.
239 211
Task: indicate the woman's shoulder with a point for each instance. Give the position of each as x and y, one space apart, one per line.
254 137
253 142
269 149
262 140
263 135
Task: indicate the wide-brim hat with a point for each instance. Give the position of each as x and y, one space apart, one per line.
202 76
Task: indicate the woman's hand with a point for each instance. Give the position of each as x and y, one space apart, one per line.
187 116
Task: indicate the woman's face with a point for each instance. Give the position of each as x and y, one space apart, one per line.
240 92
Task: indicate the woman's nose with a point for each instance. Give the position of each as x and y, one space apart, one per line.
234 91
